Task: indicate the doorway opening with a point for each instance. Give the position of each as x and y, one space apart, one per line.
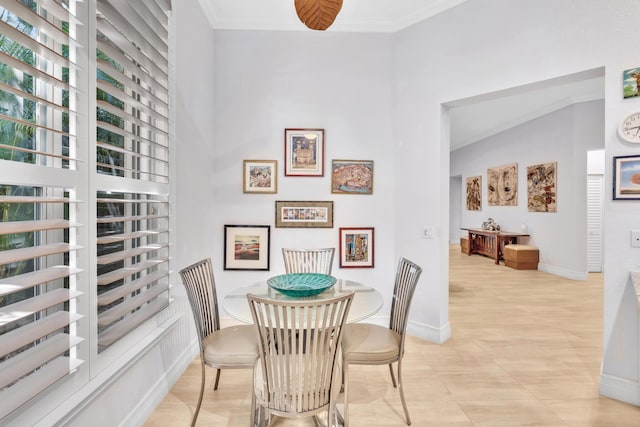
531 125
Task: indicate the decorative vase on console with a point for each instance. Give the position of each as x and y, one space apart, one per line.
490 225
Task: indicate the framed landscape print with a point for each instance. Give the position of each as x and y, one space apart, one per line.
304 152
356 247
352 176
626 178
304 214
260 176
502 185
542 187
474 193
246 247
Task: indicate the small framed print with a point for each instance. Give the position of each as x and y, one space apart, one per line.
246 247
260 176
304 152
626 178
352 176
631 82
356 247
304 214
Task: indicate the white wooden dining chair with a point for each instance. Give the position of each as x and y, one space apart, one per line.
220 348
308 260
298 372
369 344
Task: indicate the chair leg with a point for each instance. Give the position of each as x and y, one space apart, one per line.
202 380
252 417
393 378
404 403
345 379
215 386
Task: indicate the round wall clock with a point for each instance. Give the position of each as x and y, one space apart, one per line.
629 128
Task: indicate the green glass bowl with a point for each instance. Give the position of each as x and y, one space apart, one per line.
301 284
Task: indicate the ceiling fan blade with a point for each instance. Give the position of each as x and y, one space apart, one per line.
318 14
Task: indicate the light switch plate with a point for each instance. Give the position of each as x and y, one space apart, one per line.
635 238
428 232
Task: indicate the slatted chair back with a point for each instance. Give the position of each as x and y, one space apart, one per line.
407 275
201 290
298 372
308 260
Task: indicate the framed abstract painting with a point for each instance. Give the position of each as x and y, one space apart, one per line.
356 247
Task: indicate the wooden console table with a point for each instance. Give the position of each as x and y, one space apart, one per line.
490 243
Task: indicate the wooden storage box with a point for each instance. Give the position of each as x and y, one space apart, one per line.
464 245
521 257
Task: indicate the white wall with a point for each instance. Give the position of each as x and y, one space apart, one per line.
560 236
484 46
269 81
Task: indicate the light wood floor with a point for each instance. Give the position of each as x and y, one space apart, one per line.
525 350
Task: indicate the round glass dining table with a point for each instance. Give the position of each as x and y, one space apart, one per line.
367 301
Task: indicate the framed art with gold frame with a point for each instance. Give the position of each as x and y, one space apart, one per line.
260 176
300 214
352 176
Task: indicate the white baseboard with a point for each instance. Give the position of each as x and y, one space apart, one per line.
420 330
569 274
430 333
620 389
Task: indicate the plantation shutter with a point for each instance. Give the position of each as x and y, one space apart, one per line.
38 204
594 223
132 152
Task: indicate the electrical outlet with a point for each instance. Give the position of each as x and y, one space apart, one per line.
635 238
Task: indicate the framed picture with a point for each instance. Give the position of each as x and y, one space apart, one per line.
502 185
474 193
626 178
246 247
356 247
260 176
352 176
542 187
304 152
304 214
631 82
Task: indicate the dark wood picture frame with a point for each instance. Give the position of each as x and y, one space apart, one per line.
247 247
626 177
